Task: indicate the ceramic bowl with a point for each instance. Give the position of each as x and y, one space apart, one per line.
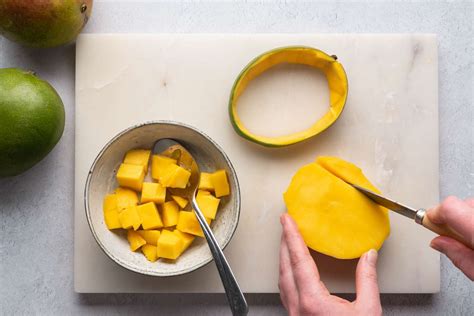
101 181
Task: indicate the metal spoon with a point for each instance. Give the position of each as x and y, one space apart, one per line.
173 149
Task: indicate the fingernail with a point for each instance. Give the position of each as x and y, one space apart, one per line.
372 256
282 218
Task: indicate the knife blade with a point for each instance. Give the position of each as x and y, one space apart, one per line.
415 214
388 203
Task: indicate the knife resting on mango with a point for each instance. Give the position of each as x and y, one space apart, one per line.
416 214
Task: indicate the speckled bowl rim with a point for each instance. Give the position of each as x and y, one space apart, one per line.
123 264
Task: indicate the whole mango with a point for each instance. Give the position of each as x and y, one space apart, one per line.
43 23
31 120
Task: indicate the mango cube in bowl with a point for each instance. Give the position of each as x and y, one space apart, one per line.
169 245
151 236
170 213
149 216
111 215
130 176
139 157
159 164
220 183
135 240
188 223
129 218
208 204
125 198
153 192
205 182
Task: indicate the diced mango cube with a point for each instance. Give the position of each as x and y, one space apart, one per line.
159 164
131 176
175 177
111 218
153 192
220 183
186 238
110 202
135 240
208 204
129 218
205 182
149 216
150 252
170 213
169 245
182 202
150 236
139 157
188 223
125 198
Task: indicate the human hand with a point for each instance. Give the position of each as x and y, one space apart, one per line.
303 293
458 215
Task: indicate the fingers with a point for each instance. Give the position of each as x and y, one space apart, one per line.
457 214
366 283
368 296
304 269
286 282
461 256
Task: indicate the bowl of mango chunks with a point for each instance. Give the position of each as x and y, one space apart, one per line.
134 208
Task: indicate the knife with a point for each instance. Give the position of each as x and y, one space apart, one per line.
418 215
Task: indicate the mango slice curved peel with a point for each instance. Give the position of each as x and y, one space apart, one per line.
337 84
334 218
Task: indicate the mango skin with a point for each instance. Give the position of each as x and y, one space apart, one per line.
32 120
333 217
43 23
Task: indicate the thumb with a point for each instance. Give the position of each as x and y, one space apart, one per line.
461 256
366 283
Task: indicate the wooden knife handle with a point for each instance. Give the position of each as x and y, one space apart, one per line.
445 230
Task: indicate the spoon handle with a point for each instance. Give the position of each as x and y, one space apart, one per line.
235 297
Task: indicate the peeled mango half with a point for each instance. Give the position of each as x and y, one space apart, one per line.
337 84
333 217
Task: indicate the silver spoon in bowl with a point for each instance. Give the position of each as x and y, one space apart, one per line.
174 149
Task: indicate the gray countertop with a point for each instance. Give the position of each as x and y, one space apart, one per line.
36 208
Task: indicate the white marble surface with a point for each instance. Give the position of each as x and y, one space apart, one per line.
37 207
392 108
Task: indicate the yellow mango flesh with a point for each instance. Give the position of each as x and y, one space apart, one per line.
130 176
182 202
151 236
129 218
170 213
159 164
139 157
149 216
205 182
346 171
125 198
186 238
153 192
175 176
169 245
208 204
188 223
332 216
135 240
111 217
150 252
220 183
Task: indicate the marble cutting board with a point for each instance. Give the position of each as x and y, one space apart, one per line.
389 128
